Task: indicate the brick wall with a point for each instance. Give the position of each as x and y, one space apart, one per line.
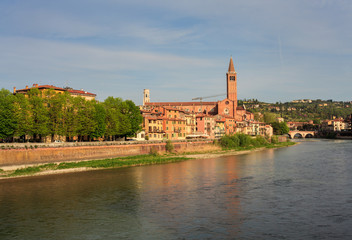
49 155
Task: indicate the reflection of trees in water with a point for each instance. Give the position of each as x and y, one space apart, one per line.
71 204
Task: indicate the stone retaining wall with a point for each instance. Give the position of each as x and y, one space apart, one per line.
49 155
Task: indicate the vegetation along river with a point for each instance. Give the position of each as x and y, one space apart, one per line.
299 192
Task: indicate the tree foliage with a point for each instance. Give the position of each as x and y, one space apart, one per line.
280 128
8 122
241 140
48 113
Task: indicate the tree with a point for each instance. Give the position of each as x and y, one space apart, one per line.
258 116
135 118
40 117
99 118
84 110
23 116
57 106
111 106
124 121
8 122
269 117
280 128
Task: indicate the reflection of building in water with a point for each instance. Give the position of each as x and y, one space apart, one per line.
204 188
207 119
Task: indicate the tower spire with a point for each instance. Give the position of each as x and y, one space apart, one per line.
231 67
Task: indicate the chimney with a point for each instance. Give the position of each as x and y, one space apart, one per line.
14 89
36 85
27 87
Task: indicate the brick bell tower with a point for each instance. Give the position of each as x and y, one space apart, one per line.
231 76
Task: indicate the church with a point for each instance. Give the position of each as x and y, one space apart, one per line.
181 120
227 107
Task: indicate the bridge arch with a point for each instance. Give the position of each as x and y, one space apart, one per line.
301 134
297 135
309 135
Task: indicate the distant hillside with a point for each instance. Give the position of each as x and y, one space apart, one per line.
301 110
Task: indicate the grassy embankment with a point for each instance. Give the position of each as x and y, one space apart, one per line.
94 164
237 142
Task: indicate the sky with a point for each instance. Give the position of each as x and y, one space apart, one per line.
282 49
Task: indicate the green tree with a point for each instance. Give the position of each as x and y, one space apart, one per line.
280 128
57 106
40 117
135 118
84 111
270 117
258 116
124 127
99 118
23 116
111 106
8 122
71 122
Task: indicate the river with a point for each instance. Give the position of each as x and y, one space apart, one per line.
299 192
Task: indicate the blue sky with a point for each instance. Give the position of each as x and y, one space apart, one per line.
282 49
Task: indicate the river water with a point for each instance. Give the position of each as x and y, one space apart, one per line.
300 192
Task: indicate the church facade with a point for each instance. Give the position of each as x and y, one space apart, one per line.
180 120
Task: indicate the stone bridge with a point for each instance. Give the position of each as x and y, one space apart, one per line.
301 134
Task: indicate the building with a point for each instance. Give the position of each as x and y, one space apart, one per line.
199 119
44 88
335 125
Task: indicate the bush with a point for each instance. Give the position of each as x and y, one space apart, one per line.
227 142
245 140
274 139
169 147
153 151
242 140
261 141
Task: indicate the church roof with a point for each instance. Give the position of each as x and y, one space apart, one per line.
231 67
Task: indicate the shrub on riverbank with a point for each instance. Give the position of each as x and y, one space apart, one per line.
169 147
153 151
240 140
274 139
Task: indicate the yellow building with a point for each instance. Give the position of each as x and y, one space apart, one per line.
153 127
44 88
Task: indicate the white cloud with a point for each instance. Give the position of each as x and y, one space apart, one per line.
27 61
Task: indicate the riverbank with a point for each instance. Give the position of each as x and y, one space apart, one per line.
139 160
63 153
